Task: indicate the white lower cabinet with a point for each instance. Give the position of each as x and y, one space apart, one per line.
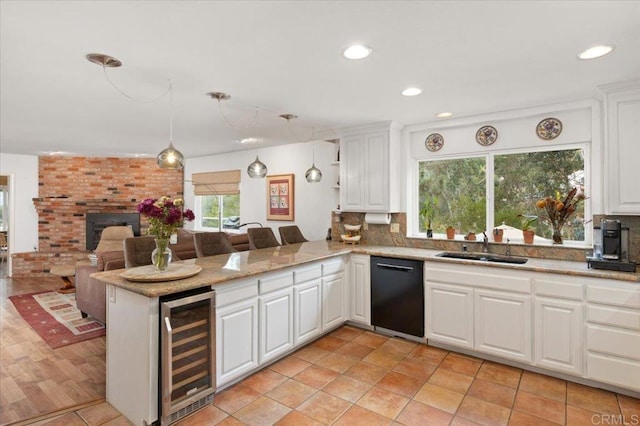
503 324
307 319
359 283
276 324
236 340
449 314
613 333
558 335
332 301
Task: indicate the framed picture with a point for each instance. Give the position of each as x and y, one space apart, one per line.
280 197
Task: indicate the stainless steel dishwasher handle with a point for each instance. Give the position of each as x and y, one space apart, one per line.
398 267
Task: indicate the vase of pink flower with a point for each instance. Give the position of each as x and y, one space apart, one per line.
165 217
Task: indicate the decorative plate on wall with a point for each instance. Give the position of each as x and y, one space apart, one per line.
486 135
434 142
549 128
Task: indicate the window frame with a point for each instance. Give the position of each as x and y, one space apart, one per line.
490 191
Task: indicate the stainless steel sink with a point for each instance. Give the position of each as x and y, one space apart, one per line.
483 257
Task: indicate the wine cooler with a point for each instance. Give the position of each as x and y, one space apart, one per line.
187 354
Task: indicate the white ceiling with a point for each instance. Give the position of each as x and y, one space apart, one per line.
469 57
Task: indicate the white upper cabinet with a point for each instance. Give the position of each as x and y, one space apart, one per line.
370 169
622 148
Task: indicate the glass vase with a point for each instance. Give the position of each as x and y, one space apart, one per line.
557 233
161 255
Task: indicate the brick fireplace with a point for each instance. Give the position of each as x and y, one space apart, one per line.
71 187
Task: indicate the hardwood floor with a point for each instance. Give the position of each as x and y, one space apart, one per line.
35 379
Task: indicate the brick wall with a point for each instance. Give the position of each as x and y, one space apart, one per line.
70 187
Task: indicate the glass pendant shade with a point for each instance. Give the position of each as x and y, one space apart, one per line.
170 158
313 174
257 169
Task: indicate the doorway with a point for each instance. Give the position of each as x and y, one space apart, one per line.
5 225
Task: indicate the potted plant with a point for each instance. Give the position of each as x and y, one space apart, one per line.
429 206
527 229
451 232
497 234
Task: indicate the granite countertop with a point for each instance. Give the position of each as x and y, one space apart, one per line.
226 267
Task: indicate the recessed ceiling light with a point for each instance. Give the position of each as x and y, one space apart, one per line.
445 114
411 91
596 51
357 51
248 140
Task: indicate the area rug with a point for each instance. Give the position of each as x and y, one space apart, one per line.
55 317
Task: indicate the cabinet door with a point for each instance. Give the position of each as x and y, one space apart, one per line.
276 324
449 314
623 128
558 335
503 324
352 170
236 340
376 176
332 301
360 289
307 320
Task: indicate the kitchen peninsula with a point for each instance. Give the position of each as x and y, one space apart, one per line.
556 317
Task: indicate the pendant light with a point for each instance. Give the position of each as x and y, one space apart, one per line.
314 174
170 158
257 169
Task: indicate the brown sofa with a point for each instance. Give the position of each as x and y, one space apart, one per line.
91 294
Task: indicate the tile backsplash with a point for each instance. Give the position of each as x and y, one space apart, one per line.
382 235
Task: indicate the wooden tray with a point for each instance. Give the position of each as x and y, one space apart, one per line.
149 273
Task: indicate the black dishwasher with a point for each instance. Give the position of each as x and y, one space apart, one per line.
397 295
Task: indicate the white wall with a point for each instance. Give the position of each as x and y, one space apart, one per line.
313 201
23 171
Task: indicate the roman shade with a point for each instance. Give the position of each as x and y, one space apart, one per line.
216 183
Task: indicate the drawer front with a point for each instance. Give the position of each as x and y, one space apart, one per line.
560 289
235 292
613 316
618 296
478 276
332 266
275 282
614 341
307 273
615 371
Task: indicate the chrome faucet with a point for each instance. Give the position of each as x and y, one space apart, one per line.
485 243
508 252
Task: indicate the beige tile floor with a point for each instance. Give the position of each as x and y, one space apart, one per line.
356 377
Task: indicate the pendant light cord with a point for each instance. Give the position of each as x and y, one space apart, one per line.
146 101
170 111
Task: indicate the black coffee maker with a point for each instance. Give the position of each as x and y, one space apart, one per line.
611 234
611 247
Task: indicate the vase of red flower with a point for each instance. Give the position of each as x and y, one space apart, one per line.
162 254
165 217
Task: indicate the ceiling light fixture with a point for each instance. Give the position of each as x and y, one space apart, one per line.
257 169
170 158
313 174
445 114
596 51
357 51
411 91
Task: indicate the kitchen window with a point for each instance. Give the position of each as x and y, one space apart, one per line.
217 200
217 212
478 193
